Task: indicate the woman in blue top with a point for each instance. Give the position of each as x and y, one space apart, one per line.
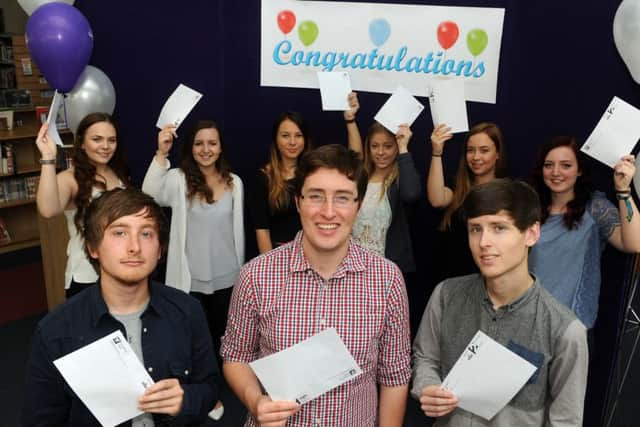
576 224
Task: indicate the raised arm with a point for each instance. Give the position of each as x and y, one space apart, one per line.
439 195
409 180
54 190
626 237
353 133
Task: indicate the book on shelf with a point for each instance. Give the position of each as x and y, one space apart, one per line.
5 238
7 162
23 188
43 114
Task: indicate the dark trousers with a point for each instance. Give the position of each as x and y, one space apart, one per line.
216 308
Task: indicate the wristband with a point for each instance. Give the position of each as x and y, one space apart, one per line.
349 121
47 161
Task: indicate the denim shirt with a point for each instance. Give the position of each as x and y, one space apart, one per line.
175 343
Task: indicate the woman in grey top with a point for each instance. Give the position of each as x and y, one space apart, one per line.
206 242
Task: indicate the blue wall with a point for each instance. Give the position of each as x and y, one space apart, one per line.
559 69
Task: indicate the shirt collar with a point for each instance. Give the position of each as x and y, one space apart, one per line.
99 308
353 262
514 305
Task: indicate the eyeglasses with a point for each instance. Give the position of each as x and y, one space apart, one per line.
319 199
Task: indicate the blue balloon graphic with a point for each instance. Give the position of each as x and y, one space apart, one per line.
379 31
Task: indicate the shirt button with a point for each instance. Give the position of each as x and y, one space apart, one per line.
186 372
144 330
322 322
150 369
494 319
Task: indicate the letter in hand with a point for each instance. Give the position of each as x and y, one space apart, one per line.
623 172
46 145
440 135
403 136
165 139
274 414
354 106
163 397
437 402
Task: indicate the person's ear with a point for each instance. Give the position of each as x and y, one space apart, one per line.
532 234
297 199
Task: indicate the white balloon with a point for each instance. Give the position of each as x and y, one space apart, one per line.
626 34
30 6
93 93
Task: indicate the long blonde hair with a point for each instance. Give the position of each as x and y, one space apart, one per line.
279 191
464 176
370 166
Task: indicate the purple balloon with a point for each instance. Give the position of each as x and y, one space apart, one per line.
60 41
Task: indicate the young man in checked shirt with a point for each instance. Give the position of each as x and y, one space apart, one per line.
320 280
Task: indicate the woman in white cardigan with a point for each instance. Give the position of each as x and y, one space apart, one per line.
206 243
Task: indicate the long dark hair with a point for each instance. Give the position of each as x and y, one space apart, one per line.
464 176
582 189
196 182
84 171
279 196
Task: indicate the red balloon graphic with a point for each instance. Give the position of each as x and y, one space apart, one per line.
447 34
286 21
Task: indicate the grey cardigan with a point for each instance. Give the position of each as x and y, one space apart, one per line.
405 189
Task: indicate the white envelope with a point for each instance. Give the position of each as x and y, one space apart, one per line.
335 88
487 376
616 133
108 377
448 105
52 131
307 369
178 106
400 108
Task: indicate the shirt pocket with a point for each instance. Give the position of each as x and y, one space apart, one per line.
533 394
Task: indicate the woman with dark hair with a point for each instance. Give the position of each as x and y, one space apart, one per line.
272 205
98 165
483 159
206 243
576 224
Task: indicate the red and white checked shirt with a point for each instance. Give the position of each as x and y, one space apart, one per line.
279 300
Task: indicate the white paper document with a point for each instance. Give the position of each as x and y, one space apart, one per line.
307 369
400 108
335 88
487 376
178 106
616 133
448 105
108 377
52 131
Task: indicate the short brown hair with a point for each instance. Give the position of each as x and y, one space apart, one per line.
332 156
114 204
515 197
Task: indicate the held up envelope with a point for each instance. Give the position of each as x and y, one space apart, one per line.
616 133
108 377
400 108
307 369
178 106
335 87
52 131
487 376
447 104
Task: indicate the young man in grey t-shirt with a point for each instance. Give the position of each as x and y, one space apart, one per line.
507 303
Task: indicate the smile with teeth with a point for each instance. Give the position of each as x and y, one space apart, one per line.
327 226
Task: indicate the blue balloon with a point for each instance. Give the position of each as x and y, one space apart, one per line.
379 31
60 41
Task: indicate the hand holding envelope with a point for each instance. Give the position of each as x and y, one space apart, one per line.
178 106
400 108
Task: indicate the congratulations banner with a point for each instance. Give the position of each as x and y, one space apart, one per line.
381 45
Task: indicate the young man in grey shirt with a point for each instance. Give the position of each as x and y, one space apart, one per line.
507 303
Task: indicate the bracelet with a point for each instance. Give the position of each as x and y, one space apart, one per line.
47 161
436 155
349 121
623 196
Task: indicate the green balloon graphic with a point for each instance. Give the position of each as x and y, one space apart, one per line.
477 41
308 32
